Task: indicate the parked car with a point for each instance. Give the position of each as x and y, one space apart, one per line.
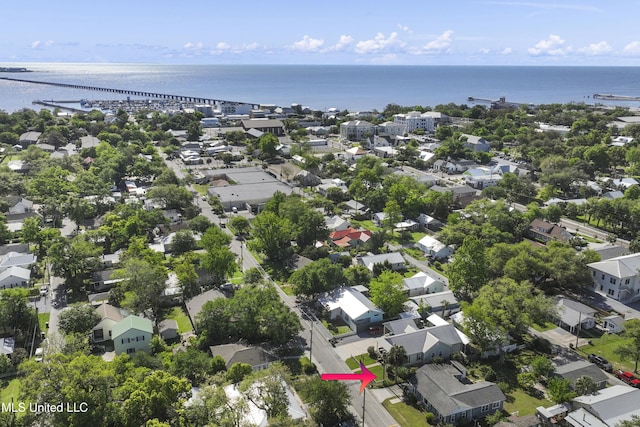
43 290
600 361
627 377
375 330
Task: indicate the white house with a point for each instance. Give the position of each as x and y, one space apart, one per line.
421 283
434 248
574 315
395 259
14 276
132 334
356 130
613 323
429 222
480 178
423 345
617 277
109 317
355 309
476 143
337 223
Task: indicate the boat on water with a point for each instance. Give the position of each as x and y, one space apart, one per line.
14 70
609 97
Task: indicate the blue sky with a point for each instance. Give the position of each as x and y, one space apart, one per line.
408 32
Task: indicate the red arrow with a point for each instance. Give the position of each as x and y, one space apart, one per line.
366 376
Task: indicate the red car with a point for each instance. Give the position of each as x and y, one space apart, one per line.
627 377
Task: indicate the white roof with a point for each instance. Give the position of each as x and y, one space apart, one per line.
19 272
420 280
612 404
431 243
621 267
353 303
15 258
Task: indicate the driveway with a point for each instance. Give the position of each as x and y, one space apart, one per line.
559 337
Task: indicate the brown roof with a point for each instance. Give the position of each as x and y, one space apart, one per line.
107 311
238 353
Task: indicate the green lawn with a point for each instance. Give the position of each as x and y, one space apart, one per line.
287 289
354 362
525 404
605 346
335 327
201 188
43 318
547 326
405 415
9 390
375 370
368 224
178 314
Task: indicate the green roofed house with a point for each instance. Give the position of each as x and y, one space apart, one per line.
132 334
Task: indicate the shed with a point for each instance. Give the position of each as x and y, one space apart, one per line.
168 329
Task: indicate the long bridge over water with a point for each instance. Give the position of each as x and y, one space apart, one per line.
194 99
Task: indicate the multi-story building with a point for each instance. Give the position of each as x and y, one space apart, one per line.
356 130
415 120
617 277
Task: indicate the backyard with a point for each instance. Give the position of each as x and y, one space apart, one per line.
406 415
605 346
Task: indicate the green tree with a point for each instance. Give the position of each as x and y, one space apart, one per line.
267 145
200 224
272 236
585 385
185 270
74 260
146 282
238 371
504 309
542 366
183 241
195 365
316 277
559 390
328 400
240 224
633 422
16 315
393 214
468 272
631 350
387 292
267 389
397 357
78 318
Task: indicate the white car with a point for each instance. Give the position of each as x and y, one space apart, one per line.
43 290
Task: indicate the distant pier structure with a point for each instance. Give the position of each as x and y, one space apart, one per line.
183 98
500 103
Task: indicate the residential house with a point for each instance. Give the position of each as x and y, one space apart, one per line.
257 357
375 141
546 231
445 390
168 329
438 118
622 183
349 238
421 283
19 166
434 248
29 138
395 259
475 143
607 407
17 259
610 195
613 324
195 304
444 302
19 205
89 141
378 218
109 317
356 310
608 250
337 223
103 280
14 277
573 371
617 277
462 194
385 152
453 166
575 315
354 153
429 222
424 345
132 334
306 179
356 130
406 225
7 345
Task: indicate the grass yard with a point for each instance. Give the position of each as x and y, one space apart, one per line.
354 362
605 346
547 326
178 314
201 188
287 289
525 404
336 327
9 390
43 319
375 370
405 415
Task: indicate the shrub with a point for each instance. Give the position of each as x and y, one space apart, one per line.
372 352
430 418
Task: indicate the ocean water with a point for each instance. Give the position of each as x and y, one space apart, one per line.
321 87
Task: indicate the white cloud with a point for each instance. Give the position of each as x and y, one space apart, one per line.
223 46
553 46
505 51
600 48
441 44
308 44
632 48
38 44
405 28
343 42
380 44
193 46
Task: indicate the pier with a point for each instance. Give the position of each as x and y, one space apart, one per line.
609 97
192 99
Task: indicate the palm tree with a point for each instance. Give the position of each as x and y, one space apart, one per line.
397 357
445 306
585 385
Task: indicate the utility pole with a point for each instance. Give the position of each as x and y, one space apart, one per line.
579 324
311 344
364 397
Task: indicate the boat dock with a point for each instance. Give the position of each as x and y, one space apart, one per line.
192 99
